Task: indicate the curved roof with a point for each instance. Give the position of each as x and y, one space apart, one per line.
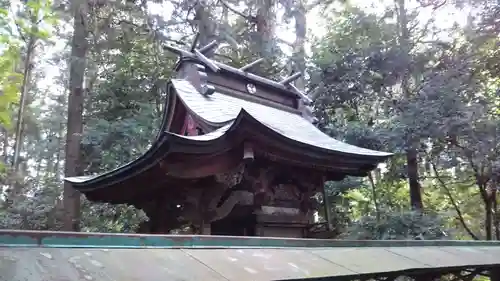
219 109
237 120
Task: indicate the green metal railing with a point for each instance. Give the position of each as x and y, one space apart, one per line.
15 238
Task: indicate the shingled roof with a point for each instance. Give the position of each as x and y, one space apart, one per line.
221 109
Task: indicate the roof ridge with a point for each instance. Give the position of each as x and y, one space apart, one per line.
198 55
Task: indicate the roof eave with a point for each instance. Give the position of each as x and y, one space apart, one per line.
169 143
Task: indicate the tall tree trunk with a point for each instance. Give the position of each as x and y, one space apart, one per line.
299 53
452 201
30 48
262 45
496 219
374 196
264 21
59 154
488 219
5 145
411 152
206 27
17 184
79 46
414 183
488 200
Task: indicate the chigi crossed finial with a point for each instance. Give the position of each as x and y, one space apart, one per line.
199 54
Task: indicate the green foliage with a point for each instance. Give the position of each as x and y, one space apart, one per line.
124 111
35 19
398 226
126 107
449 106
111 218
10 79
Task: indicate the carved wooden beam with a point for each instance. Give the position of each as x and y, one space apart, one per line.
232 177
212 196
237 197
203 198
260 176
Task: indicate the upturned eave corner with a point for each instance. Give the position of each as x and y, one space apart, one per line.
222 108
212 144
243 128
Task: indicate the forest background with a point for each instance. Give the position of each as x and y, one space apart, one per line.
83 88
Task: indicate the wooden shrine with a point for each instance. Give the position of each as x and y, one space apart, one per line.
237 154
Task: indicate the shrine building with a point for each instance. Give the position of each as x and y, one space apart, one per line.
237 154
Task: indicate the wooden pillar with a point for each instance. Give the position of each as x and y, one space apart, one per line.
326 204
205 228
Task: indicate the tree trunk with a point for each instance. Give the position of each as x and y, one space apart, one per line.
264 23
17 184
5 145
206 27
452 201
496 219
79 46
488 219
22 103
262 45
412 171
489 197
374 196
411 152
299 53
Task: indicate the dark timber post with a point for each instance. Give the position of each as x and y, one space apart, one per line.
327 208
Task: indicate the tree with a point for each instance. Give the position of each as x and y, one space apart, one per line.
389 88
10 79
79 48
